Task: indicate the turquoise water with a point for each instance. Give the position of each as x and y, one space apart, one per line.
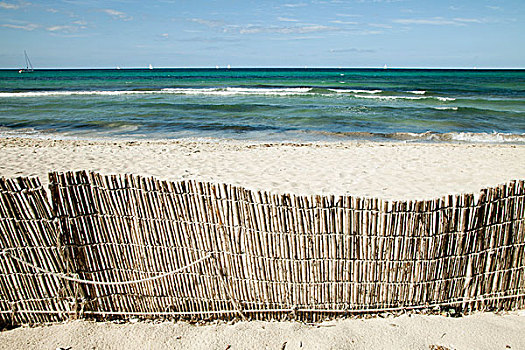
266 104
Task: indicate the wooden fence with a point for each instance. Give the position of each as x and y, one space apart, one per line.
121 246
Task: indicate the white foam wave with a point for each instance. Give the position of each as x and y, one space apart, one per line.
391 97
184 91
239 91
417 92
382 97
446 108
71 93
494 137
353 91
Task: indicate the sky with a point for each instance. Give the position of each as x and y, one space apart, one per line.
246 33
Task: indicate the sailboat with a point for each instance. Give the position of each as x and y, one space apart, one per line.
385 67
150 66
29 66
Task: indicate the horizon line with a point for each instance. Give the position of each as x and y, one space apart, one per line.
266 67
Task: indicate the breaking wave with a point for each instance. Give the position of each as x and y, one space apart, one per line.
469 137
382 97
182 91
233 91
353 91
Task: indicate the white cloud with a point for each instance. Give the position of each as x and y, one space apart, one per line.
434 21
8 6
351 49
255 29
165 35
28 27
380 25
374 1
67 29
438 21
366 32
286 19
300 4
468 20
347 15
208 39
495 8
52 10
117 14
344 22
288 38
252 29
208 23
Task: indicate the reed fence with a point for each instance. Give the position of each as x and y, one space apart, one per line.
121 246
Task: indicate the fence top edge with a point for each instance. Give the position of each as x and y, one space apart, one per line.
499 190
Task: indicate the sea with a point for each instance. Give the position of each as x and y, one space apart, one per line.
304 105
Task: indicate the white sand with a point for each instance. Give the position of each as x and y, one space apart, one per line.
386 170
478 331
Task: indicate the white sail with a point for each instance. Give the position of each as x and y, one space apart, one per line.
29 66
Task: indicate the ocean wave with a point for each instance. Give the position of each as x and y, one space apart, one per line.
73 93
469 137
239 91
386 97
495 137
446 108
417 92
231 91
353 91
379 97
182 91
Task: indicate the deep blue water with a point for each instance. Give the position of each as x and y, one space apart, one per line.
266 104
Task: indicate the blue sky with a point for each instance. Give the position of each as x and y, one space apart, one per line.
313 33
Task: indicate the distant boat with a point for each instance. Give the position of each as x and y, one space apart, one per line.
385 67
118 67
150 66
229 66
29 66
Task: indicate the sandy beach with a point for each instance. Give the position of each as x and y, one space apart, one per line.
478 331
386 170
